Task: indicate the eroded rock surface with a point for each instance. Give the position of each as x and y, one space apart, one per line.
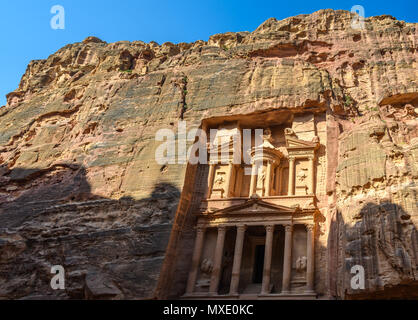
79 185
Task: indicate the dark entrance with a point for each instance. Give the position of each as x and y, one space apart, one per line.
258 264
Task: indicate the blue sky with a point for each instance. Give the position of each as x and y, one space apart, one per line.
26 33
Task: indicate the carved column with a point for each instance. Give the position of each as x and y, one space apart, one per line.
216 272
228 180
310 267
268 179
312 174
279 180
236 267
265 287
210 180
253 183
291 188
287 264
197 252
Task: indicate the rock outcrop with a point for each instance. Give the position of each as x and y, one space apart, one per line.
79 185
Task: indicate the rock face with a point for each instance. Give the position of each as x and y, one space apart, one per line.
80 187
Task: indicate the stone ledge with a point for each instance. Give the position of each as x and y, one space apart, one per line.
302 296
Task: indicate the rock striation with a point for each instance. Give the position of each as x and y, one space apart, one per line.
80 187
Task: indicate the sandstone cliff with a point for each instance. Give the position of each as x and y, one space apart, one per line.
79 185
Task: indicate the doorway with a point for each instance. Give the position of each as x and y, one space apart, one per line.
258 264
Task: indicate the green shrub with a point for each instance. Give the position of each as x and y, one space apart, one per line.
348 101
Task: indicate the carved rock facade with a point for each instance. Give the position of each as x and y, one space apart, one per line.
80 187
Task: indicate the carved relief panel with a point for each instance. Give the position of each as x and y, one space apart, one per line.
206 262
299 258
219 182
302 177
261 180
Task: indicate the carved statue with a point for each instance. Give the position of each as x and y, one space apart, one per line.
302 174
267 135
206 266
261 177
219 180
301 263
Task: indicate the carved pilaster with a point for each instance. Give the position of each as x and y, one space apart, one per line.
210 179
287 263
216 272
268 179
310 267
311 174
228 180
265 288
197 252
291 188
236 268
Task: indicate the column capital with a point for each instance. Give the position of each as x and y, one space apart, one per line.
288 227
269 227
292 158
222 228
200 229
241 227
311 157
256 162
309 227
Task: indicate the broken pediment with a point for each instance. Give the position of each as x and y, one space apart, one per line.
294 143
